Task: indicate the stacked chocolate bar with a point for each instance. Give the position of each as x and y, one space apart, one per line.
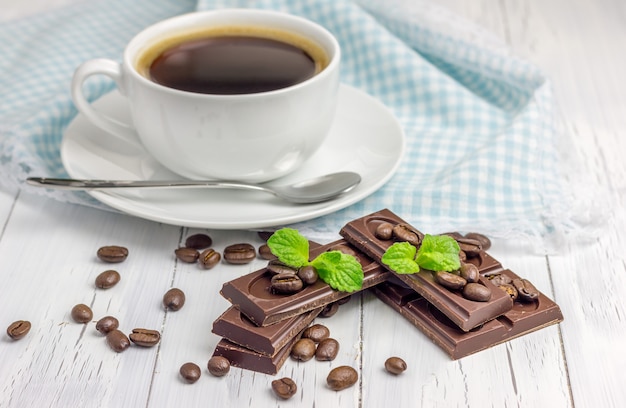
261 326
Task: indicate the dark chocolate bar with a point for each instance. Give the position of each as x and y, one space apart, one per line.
251 293
466 314
251 360
523 318
236 327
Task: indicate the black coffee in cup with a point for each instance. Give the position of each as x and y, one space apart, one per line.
233 60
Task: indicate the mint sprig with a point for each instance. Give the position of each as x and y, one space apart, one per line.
436 253
340 271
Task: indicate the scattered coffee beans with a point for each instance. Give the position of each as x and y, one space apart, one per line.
266 253
395 365
107 279
450 280
190 372
469 272
308 274
316 332
284 388
485 242
117 341
341 378
209 258
303 350
329 310
286 283
112 253
471 247
403 232
187 255
526 290
18 329
145 337
174 299
476 292
198 241
107 324
384 231
218 366
327 350
275 267
239 254
81 313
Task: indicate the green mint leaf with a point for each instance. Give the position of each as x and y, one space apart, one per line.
341 271
290 247
439 253
400 258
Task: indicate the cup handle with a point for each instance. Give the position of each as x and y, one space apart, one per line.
113 70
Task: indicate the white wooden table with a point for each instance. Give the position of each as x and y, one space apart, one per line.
48 264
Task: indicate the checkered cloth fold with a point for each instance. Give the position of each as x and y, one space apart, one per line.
479 122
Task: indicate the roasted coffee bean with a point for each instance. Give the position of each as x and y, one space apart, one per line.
117 341
526 290
107 324
404 232
81 313
198 241
286 283
395 365
107 279
218 366
469 272
209 258
239 254
500 279
462 256
174 299
190 372
145 337
187 255
384 231
454 234
284 388
308 274
471 247
303 349
276 267
266 253
510 290
450 280
18 329
476 292
316 332
327 350
112 253
485 242
341 378
329 310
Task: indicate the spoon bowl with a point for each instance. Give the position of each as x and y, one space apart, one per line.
314 190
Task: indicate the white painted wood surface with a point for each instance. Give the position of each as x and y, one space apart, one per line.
48 264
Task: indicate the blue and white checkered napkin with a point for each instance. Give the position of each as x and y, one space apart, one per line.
481 140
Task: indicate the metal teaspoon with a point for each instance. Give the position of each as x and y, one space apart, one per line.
315 190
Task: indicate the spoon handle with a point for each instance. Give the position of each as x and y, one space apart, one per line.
74 184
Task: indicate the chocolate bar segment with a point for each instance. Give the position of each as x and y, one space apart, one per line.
268 340
251 293
465 313
523 318
251 360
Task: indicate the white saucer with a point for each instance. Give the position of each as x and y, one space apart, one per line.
365 138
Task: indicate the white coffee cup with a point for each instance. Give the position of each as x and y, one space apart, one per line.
248 137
